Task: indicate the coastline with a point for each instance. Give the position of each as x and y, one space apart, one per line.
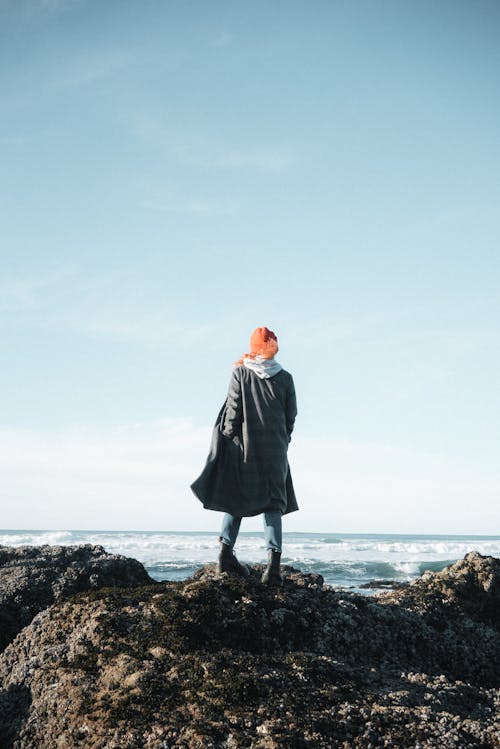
113 658
349 560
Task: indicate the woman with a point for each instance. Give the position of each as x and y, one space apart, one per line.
247 471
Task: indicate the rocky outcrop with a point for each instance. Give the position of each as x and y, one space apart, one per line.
33 577
470 587
219 662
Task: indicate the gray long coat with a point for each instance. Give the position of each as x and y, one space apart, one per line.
247 469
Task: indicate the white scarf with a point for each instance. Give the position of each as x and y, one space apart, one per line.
263 368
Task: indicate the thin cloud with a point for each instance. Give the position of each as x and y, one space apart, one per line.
151 329
383 488
15 140
138 475
222 40
375 330
90 68
96 307
129 475
33 9
50 6
453 339
173 201
271 158
32 292
74 72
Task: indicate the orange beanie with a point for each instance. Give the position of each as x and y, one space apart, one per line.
263 342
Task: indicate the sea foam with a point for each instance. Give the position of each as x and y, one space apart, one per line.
343 559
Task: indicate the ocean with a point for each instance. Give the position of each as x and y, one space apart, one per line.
344 559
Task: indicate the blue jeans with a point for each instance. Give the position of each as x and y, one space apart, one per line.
272 530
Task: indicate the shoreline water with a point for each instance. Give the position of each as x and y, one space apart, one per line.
345 560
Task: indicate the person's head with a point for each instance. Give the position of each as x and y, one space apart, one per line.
263 342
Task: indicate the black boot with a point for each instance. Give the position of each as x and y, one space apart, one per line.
227 562
272 575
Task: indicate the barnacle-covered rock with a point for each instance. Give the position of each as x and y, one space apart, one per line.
33 577
222 662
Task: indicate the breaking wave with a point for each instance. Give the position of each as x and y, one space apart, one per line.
342 559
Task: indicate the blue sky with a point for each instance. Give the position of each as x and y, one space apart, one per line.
176 173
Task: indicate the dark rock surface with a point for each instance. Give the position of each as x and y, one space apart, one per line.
33 577
471 586
222 663
383 584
